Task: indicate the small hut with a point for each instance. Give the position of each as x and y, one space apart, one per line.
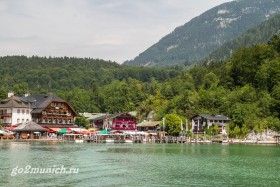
29 130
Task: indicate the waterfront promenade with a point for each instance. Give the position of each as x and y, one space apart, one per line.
120 138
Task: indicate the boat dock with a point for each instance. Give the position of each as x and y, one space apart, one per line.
277 139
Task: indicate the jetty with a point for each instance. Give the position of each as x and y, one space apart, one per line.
277 139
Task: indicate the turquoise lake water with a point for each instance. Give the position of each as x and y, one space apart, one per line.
138 164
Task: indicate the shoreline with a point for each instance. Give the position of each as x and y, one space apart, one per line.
236 141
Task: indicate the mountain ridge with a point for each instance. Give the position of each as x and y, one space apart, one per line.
202 35
259 34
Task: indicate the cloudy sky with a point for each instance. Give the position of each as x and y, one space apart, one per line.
115 30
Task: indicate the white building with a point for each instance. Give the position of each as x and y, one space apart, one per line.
14 111
202 121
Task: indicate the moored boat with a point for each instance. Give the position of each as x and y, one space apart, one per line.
79 140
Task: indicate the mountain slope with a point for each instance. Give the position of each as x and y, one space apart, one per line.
54 73
204 34
260 34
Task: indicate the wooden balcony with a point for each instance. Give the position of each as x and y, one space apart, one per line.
6 115
124 128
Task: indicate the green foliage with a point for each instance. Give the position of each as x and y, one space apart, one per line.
275 40
216 129
82 121
3 94
172 124
21 88
247 61
246 89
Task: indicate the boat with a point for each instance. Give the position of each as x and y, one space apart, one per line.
108 139
79 140
225 142
207 141
128 140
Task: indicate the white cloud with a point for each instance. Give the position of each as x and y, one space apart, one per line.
114 30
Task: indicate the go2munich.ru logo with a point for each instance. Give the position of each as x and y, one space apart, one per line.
37 170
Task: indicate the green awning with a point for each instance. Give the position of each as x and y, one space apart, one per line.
62 131
104 131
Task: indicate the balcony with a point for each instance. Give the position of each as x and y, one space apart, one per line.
6 115
124 122
124 128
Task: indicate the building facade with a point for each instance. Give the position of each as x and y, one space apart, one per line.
13 111
121 121
202 121
50 110
44 109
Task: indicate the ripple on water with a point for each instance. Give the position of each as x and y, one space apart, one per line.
142 164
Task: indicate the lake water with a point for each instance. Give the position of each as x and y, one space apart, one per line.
138 164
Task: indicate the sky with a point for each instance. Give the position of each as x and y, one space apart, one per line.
115 30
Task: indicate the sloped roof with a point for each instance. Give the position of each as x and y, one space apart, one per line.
110 116
29 126
14 102
213 117
41 101
148 124
91 115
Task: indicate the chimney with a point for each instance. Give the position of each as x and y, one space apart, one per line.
10 94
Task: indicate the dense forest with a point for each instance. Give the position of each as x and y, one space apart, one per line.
246 88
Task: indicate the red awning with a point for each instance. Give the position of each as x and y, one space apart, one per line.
10 128
51 129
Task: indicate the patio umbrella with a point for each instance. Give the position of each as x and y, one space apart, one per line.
62 131
104 131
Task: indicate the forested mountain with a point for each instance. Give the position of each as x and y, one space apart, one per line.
48 74
202 35
75 79
260 34
246 88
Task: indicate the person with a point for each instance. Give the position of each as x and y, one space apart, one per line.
28 135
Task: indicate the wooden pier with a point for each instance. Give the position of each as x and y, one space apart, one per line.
277 139
118 138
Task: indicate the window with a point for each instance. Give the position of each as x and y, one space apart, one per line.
27 111
18 111
22 120
23 111
18 120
